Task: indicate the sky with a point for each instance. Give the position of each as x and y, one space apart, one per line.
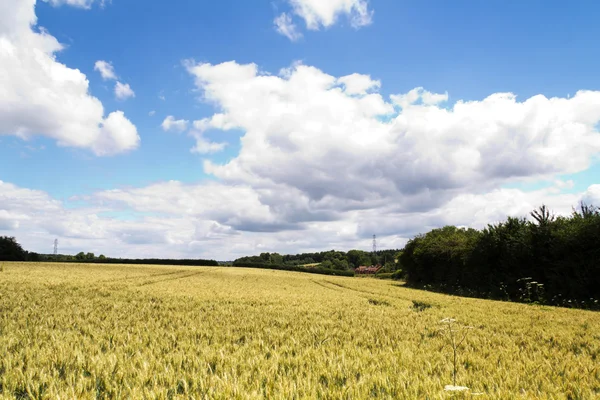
202 129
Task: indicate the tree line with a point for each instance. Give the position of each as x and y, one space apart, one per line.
329 260
326 262
11 250
548 259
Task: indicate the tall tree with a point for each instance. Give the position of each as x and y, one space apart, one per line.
11 250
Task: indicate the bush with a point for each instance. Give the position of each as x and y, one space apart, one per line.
398 275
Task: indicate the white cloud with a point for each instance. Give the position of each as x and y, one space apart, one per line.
358 84
41 96
245 209
222 221
335 147
151 113
36 219
235 206
171 124
592 195
324 13
319 14
106 70
419 95
123 91
205 146
118 134
76 3
10 221
285 26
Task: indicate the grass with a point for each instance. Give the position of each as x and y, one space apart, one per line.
112 331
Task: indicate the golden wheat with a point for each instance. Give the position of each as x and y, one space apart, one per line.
113 331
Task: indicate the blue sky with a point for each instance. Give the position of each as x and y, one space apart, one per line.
463 50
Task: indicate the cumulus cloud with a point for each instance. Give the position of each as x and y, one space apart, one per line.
324 13
358 84
285 26
106 70
171 124
303 130
117 133
319 14
123 91
41 96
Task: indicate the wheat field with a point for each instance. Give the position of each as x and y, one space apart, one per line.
74 331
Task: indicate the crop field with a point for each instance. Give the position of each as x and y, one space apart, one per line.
113 331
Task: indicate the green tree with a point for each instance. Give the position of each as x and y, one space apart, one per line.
356 258
375 259
276 259
11 250
439 257
340 264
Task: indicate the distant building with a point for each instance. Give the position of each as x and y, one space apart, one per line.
371 269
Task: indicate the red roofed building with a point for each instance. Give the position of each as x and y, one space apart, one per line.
372 269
